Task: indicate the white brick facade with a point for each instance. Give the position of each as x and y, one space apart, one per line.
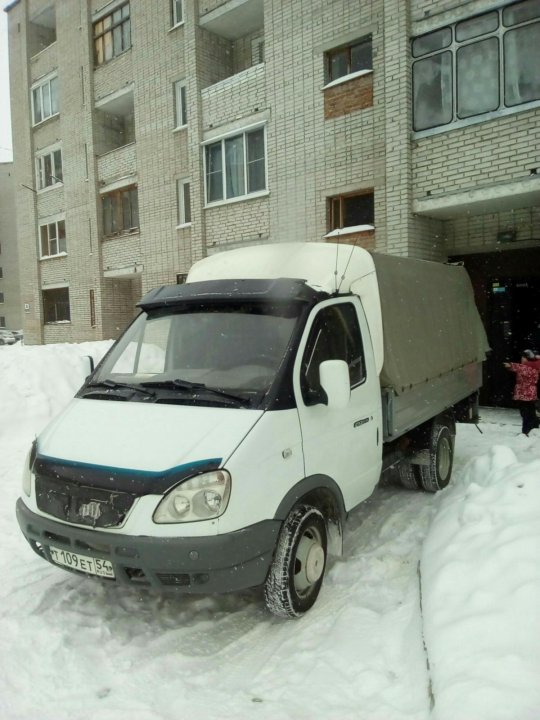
422 182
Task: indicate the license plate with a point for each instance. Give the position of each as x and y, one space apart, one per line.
84 563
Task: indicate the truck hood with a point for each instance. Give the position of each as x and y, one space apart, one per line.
144 438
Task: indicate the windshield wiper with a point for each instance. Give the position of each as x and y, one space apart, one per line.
188 385
113 385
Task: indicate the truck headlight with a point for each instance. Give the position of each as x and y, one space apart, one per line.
202 497
27 470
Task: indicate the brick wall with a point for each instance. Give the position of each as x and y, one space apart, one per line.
500 150
356 94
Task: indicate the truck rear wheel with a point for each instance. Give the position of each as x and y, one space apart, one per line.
408 475
296 574
435 475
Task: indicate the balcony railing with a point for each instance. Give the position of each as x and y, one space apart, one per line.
118 163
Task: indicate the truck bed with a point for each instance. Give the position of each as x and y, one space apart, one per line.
434 341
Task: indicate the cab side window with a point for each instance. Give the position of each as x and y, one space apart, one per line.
334 335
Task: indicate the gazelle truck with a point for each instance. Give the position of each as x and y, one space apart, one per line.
242 416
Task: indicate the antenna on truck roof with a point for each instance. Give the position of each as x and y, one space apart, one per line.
338 287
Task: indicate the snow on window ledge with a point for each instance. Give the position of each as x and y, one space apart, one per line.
50 257
346 78
349 230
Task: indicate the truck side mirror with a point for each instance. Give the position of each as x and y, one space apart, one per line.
334 378
90 364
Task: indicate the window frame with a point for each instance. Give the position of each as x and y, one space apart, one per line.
221 142
57 238
175 22
180 104
117 211
56 173
183 218
366 40
341 199
107 34
504 107
54 106
46 306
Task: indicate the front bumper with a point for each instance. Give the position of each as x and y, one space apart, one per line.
213 564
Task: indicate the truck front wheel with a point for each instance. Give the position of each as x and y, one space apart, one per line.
296 574
435 475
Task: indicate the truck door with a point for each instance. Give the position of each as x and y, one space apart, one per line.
345 445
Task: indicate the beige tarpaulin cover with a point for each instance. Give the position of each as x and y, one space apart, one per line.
430 322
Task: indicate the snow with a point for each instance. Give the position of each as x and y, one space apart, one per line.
75 648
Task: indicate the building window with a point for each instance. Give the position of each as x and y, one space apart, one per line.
348 211
177 12
2 321
53 238
183 200
235 166
56 305
1 272
112 35
45 99
257 50
181 278
1 297
349 59
480 65
120 211
49 169
92 308
180 105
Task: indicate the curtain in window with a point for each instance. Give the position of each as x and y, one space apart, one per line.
62 236
37 105
521 65
255 161
432 89
234 166
214 173
57 167
478 78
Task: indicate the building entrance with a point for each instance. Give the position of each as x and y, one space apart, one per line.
507 291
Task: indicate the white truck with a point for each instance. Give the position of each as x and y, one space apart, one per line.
228 433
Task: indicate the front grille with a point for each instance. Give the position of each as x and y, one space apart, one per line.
81 504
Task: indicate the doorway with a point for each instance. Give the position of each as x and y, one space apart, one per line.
507 291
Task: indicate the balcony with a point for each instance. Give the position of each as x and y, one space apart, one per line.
234 39
114 124
240 95
232 19
117 166
41 31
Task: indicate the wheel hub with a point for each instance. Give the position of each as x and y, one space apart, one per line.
314 563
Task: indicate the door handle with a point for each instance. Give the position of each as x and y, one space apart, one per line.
363 421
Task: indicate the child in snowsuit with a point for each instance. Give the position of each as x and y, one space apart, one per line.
525 390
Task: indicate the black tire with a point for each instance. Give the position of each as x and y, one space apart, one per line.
436 474
296 574
408 475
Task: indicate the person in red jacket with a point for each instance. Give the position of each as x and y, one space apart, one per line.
525 390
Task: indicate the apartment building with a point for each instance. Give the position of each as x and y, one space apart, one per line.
150 134
10 299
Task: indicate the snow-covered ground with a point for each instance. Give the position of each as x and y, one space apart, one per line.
74 648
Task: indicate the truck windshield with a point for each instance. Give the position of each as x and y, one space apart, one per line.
208 354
